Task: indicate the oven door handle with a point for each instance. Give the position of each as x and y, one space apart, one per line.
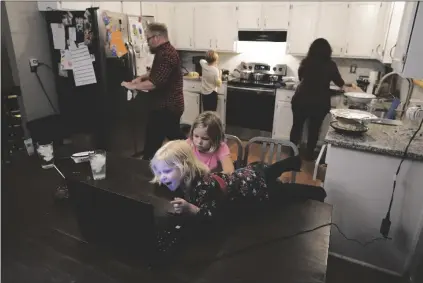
252 89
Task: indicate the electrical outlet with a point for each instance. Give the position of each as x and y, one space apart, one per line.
33 64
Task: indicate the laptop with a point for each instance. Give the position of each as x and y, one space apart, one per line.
119 223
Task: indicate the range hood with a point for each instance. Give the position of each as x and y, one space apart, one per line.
270 36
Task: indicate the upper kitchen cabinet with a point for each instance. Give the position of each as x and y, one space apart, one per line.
382 29
408 53
204 31
76 5
302 27
395 16
148 9
361 29
263 15
226 32
330 13
220 36
164 14
112 6
275 15
184 26
131 8
249 15
64 5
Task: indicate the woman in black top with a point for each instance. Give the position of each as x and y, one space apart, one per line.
311 100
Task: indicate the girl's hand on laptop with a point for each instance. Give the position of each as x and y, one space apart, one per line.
182 206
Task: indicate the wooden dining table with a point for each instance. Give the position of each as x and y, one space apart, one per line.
278 245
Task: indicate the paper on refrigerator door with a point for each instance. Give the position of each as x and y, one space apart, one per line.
72 34
65 60
58 32
83 70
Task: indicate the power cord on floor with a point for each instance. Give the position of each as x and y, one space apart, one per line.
42 86
277 239
386 222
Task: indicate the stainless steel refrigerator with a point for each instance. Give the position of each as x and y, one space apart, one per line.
91 99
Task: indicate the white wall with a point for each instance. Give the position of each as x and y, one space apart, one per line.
29 38
274 53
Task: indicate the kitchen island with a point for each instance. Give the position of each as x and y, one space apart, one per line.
359 183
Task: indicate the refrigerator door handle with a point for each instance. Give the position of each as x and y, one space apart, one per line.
130 58
134 60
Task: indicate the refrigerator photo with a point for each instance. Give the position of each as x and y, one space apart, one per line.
92 52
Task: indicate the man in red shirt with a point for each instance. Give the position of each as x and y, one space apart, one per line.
164 82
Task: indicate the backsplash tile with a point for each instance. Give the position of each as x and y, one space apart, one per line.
274 53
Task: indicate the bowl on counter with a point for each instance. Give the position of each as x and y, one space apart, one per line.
359 97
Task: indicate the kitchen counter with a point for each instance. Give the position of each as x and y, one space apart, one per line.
382 139
359 183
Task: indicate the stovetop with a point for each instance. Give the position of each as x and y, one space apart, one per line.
251 83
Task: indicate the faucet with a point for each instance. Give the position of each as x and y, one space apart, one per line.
410 89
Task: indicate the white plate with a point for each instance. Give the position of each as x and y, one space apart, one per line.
353 114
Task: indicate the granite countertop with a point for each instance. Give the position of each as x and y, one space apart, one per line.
382 139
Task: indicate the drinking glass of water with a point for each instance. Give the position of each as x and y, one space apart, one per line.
98 164
46 154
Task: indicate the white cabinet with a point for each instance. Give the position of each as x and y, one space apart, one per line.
226 32
394 22
131 8
48 6
64 5
263 16
220 36
192 107
330 13
148 9
282 119
249 14
408 53
361 30
112 6
302 27
221 109
76 5
382 29
184 27
204 31
164 14
275 15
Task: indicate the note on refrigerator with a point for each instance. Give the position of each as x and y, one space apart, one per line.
58 32
65 60
83 69
72 34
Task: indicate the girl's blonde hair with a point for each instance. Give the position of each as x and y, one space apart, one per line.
213 125
179 154
211 56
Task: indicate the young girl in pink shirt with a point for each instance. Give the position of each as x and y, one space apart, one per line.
207 140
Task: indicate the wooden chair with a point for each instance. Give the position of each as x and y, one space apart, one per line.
272 144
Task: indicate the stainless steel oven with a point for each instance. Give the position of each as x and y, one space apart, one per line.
249 110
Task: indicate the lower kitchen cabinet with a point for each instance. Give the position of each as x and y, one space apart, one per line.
282 122
192 107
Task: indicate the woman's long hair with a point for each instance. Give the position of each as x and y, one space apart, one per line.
319 53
